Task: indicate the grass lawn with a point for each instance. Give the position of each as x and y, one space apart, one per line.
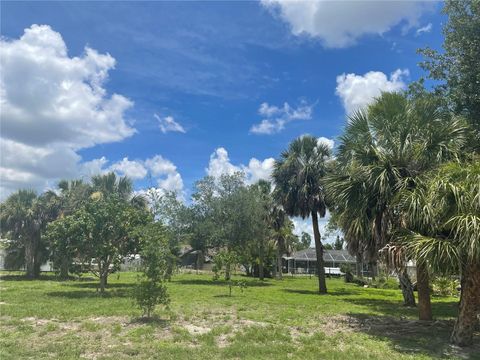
270 320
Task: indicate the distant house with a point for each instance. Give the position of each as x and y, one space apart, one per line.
305 261
195 259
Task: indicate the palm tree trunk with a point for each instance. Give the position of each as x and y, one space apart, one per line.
279 264
407 289
30 254
359 265
423 290
469 307
322 286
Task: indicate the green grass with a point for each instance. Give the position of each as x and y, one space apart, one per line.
273 319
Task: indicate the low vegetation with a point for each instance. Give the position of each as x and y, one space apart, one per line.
48 318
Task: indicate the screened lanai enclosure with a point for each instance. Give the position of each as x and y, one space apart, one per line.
305 261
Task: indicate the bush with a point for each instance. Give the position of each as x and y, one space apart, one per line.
148 295
156 267
445 286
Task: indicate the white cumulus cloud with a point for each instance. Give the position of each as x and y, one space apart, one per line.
340 24
255 170
275 118
168 124
357 91
52 106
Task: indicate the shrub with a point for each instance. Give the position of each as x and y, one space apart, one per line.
149 294
445 286
156 267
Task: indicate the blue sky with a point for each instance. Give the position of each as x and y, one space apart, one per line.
200 69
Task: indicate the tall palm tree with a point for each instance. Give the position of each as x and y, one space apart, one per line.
445 213
382 151
299 188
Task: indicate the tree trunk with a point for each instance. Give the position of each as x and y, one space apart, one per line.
322 286
359 266
374 267
279 264
261 272
407 289
103 273
103 281
469 307
30 250
423 291
228 272
64 268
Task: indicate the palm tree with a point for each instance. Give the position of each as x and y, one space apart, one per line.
110 184
299 188
24 216
382 151
445 213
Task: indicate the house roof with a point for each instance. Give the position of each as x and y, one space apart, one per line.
338 256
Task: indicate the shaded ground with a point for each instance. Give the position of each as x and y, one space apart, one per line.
270 320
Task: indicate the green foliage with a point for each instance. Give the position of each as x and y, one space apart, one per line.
224 263
457 68
306 240
148 294
445 286
157 267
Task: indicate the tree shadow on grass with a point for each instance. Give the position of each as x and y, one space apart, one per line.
413 336
330 292
395 308
85 294
95 285
43 277
252 283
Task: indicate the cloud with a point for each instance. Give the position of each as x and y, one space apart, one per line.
277 117
220 164
259 170
255 170
135 170
329 142
339 24
168 124
357 91
52 106
159 169
425 29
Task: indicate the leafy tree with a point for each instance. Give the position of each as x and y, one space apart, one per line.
157 261
228 215
102 232
223 263
65 238
456 69
444 220
306 240
298 177
338 245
